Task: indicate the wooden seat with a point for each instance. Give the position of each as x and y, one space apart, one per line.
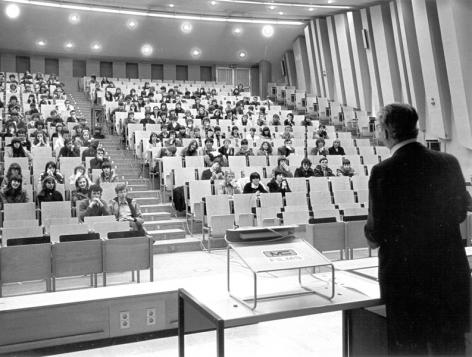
105 227
19 211
366 150
128 254
243 213
57 230
20 232
297 184
77 259
327 236
355 238
90 220
370 159
296 199
237 161
20 223
194 161
25 263
271 205
360 182
344 196
339 183
320 198
296 217
363 196
257 161
58 209
319 184
217 217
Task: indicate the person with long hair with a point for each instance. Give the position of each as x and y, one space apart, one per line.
265 149
13 169
40 139
107 175
81 191
17 149
13 192
191 149
51 170
48 192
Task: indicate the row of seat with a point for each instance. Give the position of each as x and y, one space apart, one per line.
89 255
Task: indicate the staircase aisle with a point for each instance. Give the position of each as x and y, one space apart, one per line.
168 231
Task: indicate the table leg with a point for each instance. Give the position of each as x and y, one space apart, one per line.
346 332
181 327
220 339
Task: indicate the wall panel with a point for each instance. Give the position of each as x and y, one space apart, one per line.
318 60
65 67
312 66
37 64
360 63
144 69
193 72
325 56
339 93
169 71
301 64
347 63
291 74
93 67
119 69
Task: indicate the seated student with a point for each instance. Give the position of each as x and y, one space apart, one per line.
81 191
126 209
68 150
13 192
235 133
229 185
173 125
91 151
40 140
244 150
79 171
252 135
98 160
17 149
287 149
147 119
287 134
182 134
336 149
51 170
13 170
345 169
48 192
306 121
22 135
169 151
265 149
191 149
94 205
107 175
226 149
278 183
305 169
282 166
322 169
322 132
275 120
153 142
254 185
289 120
266 134
213 172
319 149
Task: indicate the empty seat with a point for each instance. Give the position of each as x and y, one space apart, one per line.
296 199
217 217
243 209
340 183
344 196
370 159
296 217
320 198
366 150
318 184
19 211
257 161
103 228
360 182
20 232
59 209
237 161
363 196
297 184
57 230
194 161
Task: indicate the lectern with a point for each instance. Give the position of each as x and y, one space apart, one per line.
270 249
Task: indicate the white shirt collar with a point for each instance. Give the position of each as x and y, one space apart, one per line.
401 144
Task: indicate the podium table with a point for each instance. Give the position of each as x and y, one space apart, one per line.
218 311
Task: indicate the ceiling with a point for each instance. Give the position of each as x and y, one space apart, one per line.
216 40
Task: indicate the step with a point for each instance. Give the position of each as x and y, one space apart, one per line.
165 224
160 207
216 243
138 187
189 244
157 216
147 200
144 194
167 234
137 181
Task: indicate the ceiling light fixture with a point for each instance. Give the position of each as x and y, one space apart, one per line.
287 4
311 9
242 54
132 24
237 31
69 45
74 19
280 13
186 27
41 43
12 11
267 31
96 46
147 49
171 5
195 52
165 15
213 3
272 7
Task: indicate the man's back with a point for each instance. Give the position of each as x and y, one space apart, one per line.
418 199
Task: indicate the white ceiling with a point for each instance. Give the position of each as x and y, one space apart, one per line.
215 39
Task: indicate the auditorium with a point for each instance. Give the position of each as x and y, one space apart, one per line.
222 178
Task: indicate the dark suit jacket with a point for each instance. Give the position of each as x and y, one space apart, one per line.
417 198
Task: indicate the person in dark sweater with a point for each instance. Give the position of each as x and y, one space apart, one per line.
278 183
254 185
336 149
305 169
94 205
49 192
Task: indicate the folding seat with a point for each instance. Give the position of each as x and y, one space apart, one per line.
217 217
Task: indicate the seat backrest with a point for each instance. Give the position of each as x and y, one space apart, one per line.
243 204
344 196
20 223
318 184
77 258
370 159
216 205
91 220
57 209
318 198
362 142
57 230
103 228
22 161
257 161
237 161
340 183
19 211
127 254
25 263
297 184
296 217
362 196
194 161
360 182
272 199
183 175
296 199
354 159
20 232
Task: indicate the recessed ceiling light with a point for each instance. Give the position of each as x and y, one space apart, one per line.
186 27
272 7
171 5
132 24
96 46
242 54
213 3
74 19
195 52
146 49
237 31
12 11
68 45
268 31
41 43
330 1
311 9
280 12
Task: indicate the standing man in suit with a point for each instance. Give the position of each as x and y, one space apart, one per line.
417 199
